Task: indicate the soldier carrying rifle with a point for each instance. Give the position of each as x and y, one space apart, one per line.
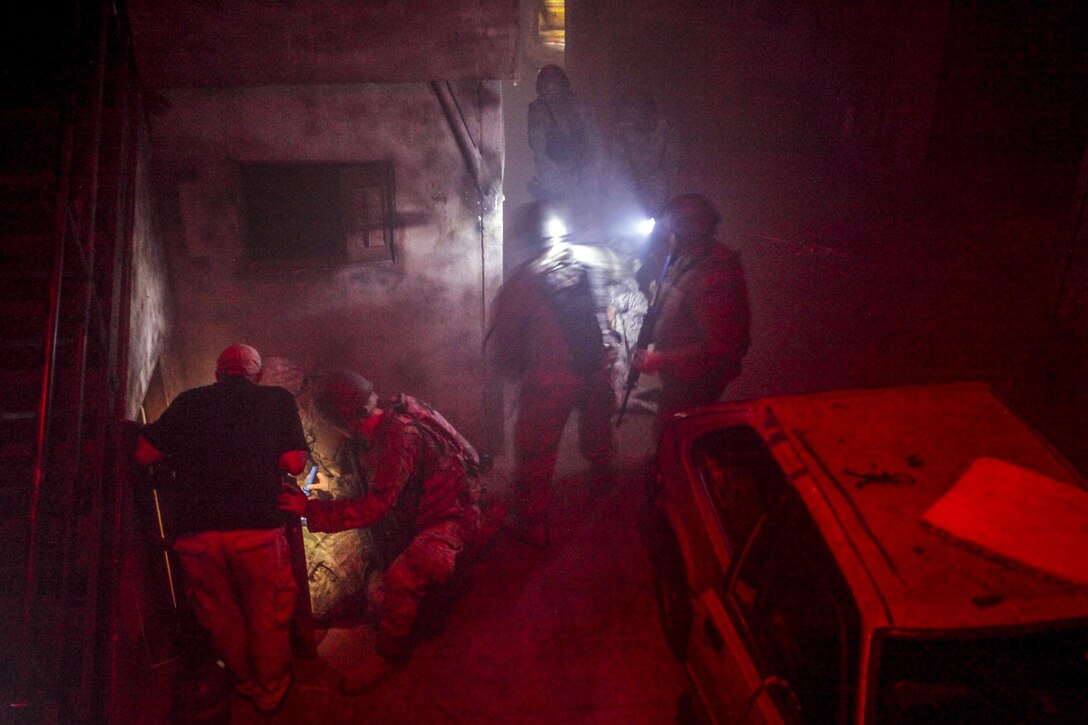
696 333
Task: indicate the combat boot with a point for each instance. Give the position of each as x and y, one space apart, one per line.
531 532
371 672
491 521
379 664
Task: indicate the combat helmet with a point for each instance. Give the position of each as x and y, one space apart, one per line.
344 396
690 216
552 76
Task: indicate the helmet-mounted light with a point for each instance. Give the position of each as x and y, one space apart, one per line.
554 228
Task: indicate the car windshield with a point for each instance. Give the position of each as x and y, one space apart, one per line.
1025 678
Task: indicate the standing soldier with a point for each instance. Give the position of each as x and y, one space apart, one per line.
424 475
229 444
700 334
549 331
564 142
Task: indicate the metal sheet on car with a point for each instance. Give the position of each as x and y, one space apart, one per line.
1019 518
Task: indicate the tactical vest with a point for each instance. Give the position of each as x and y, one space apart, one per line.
570 292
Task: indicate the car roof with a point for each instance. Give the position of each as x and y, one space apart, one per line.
877 460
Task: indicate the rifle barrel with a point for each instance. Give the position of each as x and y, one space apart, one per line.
645 337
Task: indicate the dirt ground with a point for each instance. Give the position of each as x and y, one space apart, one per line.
564 635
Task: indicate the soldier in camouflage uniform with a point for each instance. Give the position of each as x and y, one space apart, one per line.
561 137
422 474
701 332
548 331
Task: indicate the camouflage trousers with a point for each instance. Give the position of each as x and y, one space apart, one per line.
543 411
429 561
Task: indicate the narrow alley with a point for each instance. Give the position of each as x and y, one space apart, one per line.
567 635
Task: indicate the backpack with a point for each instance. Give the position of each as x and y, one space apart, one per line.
431 423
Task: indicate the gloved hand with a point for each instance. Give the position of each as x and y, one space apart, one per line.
647 361
292 501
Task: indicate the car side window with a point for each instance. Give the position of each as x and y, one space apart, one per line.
740 476
796 613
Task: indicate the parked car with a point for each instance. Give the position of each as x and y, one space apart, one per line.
900 555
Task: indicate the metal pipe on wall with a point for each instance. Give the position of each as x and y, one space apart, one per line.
470 152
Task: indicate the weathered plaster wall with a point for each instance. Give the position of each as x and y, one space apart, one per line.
149 321
256 42
413 325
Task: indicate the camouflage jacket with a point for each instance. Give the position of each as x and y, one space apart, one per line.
415 472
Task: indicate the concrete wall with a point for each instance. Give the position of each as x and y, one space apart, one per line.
255 42
150 314
897 176
761 83
412 325
806 123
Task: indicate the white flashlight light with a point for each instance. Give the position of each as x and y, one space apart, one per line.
555 228
645 226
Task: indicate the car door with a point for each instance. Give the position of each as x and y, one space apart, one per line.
788 603
728 680
776 640
731 465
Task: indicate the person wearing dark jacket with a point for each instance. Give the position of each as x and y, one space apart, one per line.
229 445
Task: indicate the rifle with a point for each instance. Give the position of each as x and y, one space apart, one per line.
645 337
